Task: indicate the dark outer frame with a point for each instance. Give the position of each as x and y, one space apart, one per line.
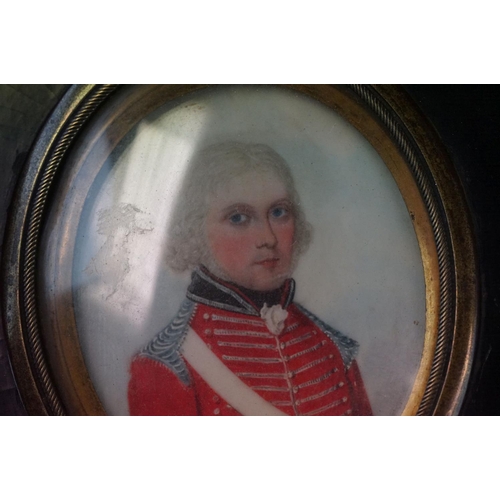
24 109
459 114
467 117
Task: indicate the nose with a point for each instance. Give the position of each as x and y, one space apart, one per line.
266 237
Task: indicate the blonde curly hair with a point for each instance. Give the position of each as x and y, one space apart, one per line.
209 170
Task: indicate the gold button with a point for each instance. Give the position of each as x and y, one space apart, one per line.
206 316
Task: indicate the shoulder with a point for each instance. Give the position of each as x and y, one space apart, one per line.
347 347
165 346
154 389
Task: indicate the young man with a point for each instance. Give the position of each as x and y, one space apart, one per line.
239 345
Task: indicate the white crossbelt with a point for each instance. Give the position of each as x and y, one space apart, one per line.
222 380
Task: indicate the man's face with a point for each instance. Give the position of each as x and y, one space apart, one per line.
250 230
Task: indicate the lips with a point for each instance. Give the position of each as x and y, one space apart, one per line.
268 263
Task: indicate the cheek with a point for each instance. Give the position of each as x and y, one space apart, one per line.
229 249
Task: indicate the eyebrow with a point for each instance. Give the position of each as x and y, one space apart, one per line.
237 206
250 208
283 200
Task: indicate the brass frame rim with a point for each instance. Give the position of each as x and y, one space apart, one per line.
444 254
456 331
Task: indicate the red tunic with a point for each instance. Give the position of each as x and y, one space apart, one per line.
300 371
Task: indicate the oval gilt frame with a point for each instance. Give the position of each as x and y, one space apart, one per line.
46 357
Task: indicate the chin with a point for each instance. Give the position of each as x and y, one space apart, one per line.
269 284
264 283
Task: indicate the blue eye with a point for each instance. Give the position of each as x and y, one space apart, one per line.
238 219
279 212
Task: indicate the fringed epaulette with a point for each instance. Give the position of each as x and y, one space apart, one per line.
347 347
165 347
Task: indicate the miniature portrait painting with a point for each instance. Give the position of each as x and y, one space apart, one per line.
247 251
240 344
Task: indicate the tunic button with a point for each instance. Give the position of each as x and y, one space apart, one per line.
330 356
282 345
216 411
341 384
290 374
295 389
286 358
206 316
208 332
344 399
216 399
